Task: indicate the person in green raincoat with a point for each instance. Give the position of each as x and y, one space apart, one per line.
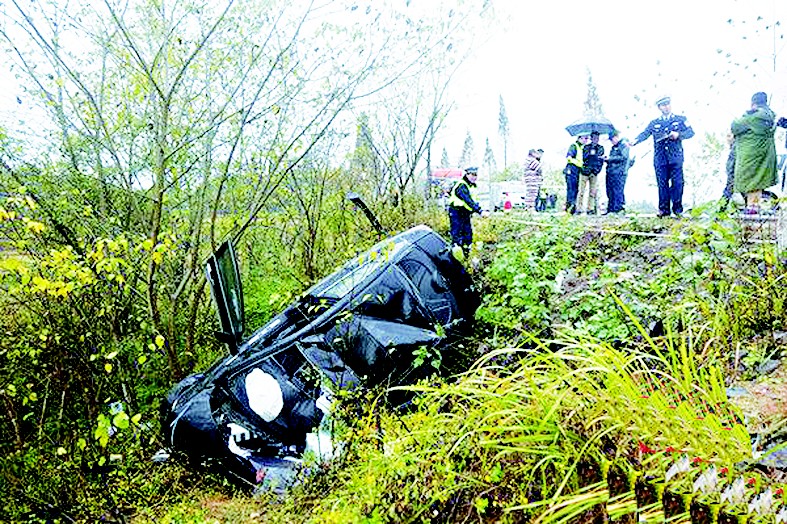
755 151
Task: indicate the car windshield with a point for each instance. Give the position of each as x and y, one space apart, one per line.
353 274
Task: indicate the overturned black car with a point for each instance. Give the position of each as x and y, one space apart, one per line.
362 326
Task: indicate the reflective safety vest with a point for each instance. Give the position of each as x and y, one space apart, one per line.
577 159
455 201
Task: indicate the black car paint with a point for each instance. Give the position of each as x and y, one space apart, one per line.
358 327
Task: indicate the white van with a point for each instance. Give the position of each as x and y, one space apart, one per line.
513 191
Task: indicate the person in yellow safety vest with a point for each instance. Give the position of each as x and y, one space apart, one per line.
572 170
461 206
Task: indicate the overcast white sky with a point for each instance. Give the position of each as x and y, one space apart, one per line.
636 51
709 55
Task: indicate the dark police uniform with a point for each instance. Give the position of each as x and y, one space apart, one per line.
461 206
573 168
668 159
617 171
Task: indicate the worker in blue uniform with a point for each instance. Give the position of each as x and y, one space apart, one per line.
461 207
668 132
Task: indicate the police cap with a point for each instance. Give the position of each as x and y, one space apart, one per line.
663 100
471 170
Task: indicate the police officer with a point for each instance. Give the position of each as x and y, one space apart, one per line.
574 162
461 206
668 132
618 164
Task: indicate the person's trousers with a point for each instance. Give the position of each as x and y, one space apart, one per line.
572 186
589 182
669 180
461 228
616 196
730 168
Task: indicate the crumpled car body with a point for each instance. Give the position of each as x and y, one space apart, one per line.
362 326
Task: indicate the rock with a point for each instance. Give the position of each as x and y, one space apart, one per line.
737 391
768 366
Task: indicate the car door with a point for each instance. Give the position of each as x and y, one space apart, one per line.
223 277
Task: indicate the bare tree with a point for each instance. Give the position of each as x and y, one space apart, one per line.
504 130
203 111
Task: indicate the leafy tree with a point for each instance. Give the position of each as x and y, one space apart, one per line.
489 158
162 130
468 153
707 178
592 102
201 151
504 130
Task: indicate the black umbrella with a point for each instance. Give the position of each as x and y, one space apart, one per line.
589 124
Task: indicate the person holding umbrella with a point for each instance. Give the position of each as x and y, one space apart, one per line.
668 132
592 162
574 163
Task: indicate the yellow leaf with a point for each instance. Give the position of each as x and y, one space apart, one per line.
61 450
108 367
35 227
136 418
112 355
160 341
81 443
142 359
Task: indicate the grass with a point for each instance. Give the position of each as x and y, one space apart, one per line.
509 439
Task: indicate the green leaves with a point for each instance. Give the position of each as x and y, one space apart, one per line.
121 420
102 431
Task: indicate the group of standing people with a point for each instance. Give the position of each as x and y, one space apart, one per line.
751 167
585 160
